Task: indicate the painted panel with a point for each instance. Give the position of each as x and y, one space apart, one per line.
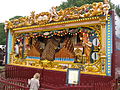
9 49
108 45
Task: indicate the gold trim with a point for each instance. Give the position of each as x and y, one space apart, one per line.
94 68
59 69
95 9
58 23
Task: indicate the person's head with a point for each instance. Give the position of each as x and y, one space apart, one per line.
36 76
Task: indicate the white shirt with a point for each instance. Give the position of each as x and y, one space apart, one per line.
34 84
16 49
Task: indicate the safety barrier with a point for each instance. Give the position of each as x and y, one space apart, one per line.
12 85
56 80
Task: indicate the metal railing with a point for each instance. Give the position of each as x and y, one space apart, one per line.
12 85
50 80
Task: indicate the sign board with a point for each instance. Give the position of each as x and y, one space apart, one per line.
73 76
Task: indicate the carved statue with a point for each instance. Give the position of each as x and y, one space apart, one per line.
87 47
20 50
106 8
78 54
56 15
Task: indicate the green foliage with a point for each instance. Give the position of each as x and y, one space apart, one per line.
2 34
15 17
77 3
112 6
117 9
2 31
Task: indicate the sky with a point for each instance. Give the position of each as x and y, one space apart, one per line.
11 8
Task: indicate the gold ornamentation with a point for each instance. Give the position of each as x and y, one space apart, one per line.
87 10
96 67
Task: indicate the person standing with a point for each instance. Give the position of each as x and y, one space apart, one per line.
34 82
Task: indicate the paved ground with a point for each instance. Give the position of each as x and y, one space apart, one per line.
2 69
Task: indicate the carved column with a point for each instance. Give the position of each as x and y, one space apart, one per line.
13 42
103 38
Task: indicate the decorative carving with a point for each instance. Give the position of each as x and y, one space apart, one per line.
49 50
66 51
78 54
87 46
87 10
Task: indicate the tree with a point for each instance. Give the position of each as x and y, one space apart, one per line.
2 31
117 9
2 34
15 17
78 3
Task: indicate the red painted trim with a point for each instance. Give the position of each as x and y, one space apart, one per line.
114 45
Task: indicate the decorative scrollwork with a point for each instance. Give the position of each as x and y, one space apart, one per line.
87 10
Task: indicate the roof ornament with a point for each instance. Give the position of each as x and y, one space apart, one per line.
106 8
87 10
